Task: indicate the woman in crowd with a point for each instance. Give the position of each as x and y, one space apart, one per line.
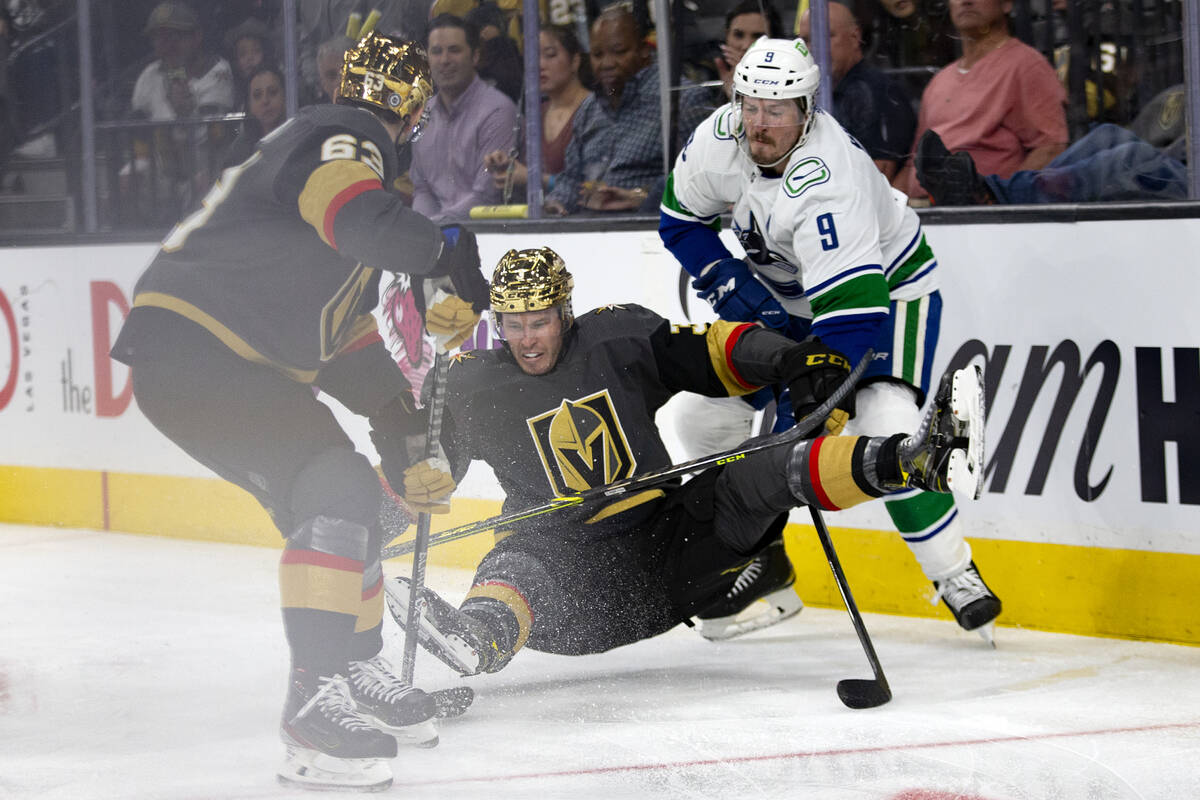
562 85
264 113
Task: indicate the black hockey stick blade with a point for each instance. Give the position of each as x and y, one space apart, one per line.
803 427
452 702
863 692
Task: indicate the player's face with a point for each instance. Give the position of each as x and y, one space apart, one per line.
535 338
772 127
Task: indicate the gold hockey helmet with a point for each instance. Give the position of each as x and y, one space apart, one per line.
387 74
532 280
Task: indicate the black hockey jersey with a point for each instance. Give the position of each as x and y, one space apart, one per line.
590 420
281 262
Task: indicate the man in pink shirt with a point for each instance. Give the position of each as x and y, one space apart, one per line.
1001 102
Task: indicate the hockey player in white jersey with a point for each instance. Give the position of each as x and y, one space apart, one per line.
832 250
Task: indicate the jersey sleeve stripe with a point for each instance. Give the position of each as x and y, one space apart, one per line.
329 188
672 206
721 337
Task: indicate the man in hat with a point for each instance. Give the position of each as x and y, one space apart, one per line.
184 80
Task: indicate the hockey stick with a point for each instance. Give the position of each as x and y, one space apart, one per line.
420 545
853 692
802 428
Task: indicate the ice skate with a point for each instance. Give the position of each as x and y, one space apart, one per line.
454 638
972 603
947 452
394 706
770 578
330 745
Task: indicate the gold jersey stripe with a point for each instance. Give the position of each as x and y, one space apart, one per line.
624 505
320 196
510 597
321 588
214 326
720 338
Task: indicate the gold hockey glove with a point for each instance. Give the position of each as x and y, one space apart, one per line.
451 319
428 486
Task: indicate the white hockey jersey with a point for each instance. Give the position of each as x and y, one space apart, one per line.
829 237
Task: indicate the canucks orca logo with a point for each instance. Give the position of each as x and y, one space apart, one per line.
755 244
582 444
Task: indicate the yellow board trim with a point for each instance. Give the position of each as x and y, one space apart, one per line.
1093 591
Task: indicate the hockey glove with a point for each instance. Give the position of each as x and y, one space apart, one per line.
460 261
451 319
398 432
812 373
736 295
428 486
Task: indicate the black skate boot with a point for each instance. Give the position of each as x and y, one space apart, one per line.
947 452
394 706
329 744
458 640
973 604
769 577
950 178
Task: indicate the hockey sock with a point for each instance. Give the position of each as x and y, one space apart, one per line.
928 522
836 472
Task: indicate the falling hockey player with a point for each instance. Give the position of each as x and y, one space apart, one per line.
261 295
833 251
568 404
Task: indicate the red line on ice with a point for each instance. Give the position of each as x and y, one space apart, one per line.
814 754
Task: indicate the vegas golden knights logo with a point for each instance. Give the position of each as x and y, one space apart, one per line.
582 444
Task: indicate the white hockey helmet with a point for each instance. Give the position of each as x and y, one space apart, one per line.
777 69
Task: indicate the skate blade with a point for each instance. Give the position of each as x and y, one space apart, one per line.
987 632
450 649
782 604
313 770
966 404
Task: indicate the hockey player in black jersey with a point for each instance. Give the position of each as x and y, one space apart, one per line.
568 404
263 294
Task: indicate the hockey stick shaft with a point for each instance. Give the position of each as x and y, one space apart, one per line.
884 691
420 545
637 483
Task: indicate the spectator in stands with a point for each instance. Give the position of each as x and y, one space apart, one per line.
322 20
467 120
265 112
744 24
1001 101
250 46
912 33
329 68
614 161
183 80
500 61
1108 163
560 62
871 107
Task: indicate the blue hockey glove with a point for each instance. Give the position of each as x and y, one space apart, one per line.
737 296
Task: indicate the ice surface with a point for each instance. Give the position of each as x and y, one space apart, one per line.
139 667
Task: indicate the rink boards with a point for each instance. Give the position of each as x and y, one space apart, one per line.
1087 332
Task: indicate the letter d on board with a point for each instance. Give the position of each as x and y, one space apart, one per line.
107 404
